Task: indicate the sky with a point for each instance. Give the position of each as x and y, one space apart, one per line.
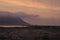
48 10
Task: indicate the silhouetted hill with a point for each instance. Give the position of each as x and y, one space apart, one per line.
7 18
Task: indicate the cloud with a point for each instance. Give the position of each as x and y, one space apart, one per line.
50 2
25 15
36 20
28 18
43 19
28 3
22 3
43 8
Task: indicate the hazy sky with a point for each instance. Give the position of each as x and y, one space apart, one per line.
48 9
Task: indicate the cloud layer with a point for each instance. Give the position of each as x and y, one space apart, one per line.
50 5
36 20
45 9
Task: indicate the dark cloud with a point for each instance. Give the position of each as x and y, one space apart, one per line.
7 18
36 20
25 15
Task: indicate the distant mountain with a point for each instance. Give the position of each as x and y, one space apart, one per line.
7 18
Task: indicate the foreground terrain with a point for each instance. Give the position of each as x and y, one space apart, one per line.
30 33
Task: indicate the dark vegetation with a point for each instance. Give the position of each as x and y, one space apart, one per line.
30 33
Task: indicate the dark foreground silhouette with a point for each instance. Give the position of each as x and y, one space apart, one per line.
30 33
